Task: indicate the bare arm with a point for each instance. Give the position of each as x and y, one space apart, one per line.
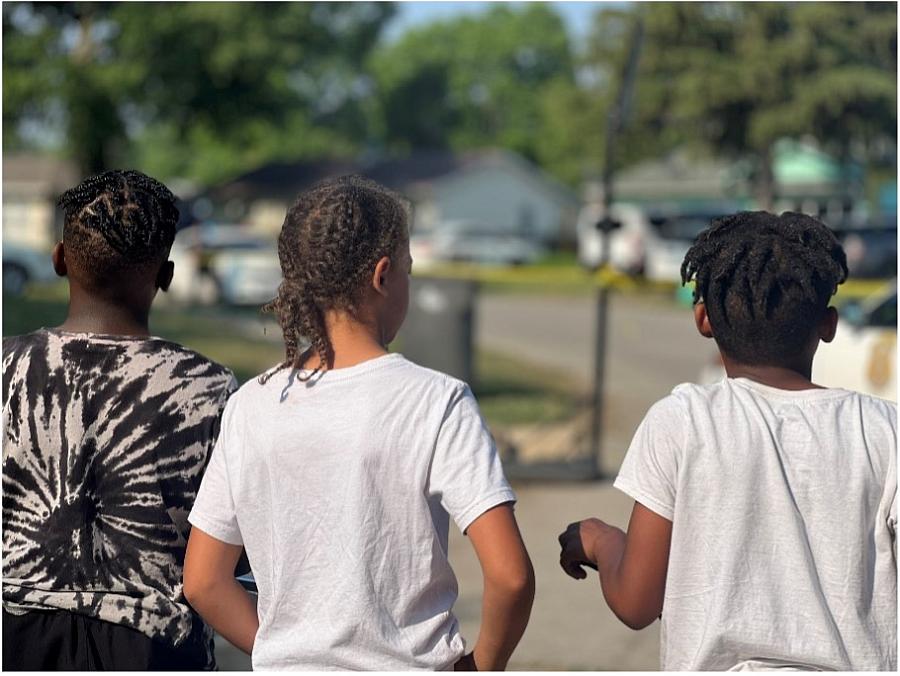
508 586
632 567
211 589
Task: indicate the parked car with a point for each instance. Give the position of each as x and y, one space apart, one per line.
871 251
464 241
223 263
863 354
672 236
649 241
23 265
626 243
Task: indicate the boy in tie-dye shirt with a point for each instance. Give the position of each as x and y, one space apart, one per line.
106 432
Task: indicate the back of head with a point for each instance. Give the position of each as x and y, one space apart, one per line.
117 222
765 281
331 240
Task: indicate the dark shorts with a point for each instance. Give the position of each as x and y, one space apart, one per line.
54 640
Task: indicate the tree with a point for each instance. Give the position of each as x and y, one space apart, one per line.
196 89
736 77
473 81
56 73
575 113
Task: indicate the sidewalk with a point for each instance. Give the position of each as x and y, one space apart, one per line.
571 628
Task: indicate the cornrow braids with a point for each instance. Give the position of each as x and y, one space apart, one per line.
331 240
766 281
118 219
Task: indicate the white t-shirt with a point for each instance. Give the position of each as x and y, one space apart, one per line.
341 491
783 510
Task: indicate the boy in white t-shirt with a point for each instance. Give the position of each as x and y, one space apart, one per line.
764 525
339 472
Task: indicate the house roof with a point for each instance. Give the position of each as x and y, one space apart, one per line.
678 174
278 180
411 175
799 166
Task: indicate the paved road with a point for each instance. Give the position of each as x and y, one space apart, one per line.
652 345
571 629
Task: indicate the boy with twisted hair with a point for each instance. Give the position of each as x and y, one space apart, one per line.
764 524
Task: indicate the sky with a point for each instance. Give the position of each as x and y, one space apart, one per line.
577 15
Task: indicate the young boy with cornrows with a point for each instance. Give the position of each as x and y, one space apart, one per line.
106 432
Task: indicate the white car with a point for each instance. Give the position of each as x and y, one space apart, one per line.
460 241
23 265
626 243
649 242
863 354
217 263
669 242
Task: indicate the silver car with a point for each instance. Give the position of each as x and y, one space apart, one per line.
23 265
224 263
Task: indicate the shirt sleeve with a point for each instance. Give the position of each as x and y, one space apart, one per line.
650 469
214 511
466 474
230 388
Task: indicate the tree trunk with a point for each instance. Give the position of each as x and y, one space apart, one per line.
93 120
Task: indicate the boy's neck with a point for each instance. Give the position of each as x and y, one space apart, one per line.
93 314
781 377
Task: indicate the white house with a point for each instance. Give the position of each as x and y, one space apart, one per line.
31 186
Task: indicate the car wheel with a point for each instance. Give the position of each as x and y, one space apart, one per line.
14 279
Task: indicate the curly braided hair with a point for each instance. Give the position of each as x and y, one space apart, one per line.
766 281
331 240
118 220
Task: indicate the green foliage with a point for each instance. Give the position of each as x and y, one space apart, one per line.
207 90
190 88
473 81
736 77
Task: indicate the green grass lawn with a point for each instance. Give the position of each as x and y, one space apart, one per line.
560 274
512 392
509 391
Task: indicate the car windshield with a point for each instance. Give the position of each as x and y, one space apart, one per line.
215 238
681 227
244 244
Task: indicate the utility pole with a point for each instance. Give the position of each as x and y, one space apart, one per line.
615 122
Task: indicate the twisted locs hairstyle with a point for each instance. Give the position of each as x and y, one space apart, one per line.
118 220
331 240
766 281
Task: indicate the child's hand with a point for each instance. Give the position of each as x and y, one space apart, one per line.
589 543
465 663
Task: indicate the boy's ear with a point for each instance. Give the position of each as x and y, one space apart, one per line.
58 256
828 325
164 276
379 277
701 319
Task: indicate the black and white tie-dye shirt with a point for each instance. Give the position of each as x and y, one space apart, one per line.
105 439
